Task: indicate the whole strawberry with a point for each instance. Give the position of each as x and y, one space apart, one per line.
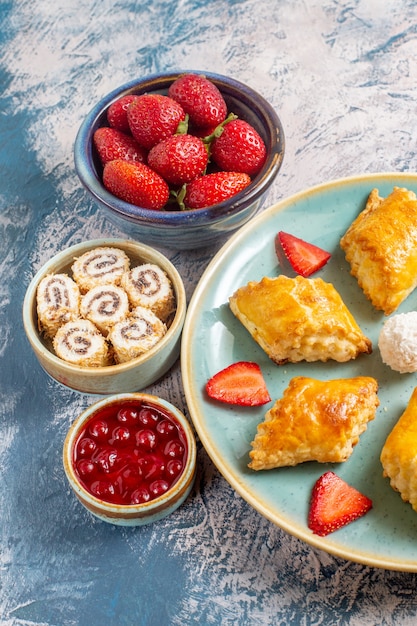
200 98
179 158
135 183
113 144
153 117
239 148
117 113
214 188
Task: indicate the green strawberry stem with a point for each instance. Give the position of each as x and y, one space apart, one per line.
182 128
179 196
208 140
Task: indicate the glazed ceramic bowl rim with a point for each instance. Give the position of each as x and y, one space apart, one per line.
108 370
130 510
84 163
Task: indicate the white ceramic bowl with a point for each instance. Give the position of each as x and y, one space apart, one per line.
134 375
148 477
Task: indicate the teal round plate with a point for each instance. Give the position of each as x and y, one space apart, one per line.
213 338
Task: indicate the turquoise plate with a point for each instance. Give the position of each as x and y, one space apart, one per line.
213 338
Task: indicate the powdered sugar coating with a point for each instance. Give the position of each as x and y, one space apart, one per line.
398 342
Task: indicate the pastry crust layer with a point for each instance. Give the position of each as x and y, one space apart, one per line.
315 421
381 248
399 454
299 319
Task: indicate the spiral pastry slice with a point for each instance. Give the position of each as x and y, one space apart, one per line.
137 334
79 342
105 305
147 285
100 266
57 301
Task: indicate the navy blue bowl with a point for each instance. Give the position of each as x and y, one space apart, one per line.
191 228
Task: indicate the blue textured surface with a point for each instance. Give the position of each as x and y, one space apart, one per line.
343 78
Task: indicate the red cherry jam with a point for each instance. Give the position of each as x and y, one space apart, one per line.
130 453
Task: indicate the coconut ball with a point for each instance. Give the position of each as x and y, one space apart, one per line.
398 342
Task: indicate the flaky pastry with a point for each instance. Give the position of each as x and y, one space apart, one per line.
315 421
399 454
381 247
299 319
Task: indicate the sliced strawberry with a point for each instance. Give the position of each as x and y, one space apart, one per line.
214 188
153 117
117 113
239 148
113 144
241 383
135 183
305 258
179 158
335 503
200 98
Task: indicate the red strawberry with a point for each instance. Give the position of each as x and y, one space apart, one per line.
204 132
179 158
214 188
117 113
305 258
200 98
240 383
153 117
334 504
239 148
114 144
135 183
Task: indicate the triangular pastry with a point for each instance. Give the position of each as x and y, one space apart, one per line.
299 319
381 248
399 454
315 421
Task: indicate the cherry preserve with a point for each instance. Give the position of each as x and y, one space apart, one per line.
130 453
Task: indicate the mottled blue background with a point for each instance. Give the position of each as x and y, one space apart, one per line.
343 78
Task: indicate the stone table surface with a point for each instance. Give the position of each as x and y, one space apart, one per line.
342 75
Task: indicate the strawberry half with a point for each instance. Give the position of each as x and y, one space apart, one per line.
214 188
200 98
241 383
113 144
179 158
334 504
305 258
135 183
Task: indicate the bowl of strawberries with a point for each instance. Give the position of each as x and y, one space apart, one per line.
181 159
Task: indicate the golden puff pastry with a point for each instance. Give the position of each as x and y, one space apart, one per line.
381 248
299 319
399 454
315 421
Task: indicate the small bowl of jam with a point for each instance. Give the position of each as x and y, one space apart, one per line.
130 458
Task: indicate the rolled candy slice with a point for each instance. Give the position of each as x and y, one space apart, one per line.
100 266
148 285
105 305
137 334
81 343
57 300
